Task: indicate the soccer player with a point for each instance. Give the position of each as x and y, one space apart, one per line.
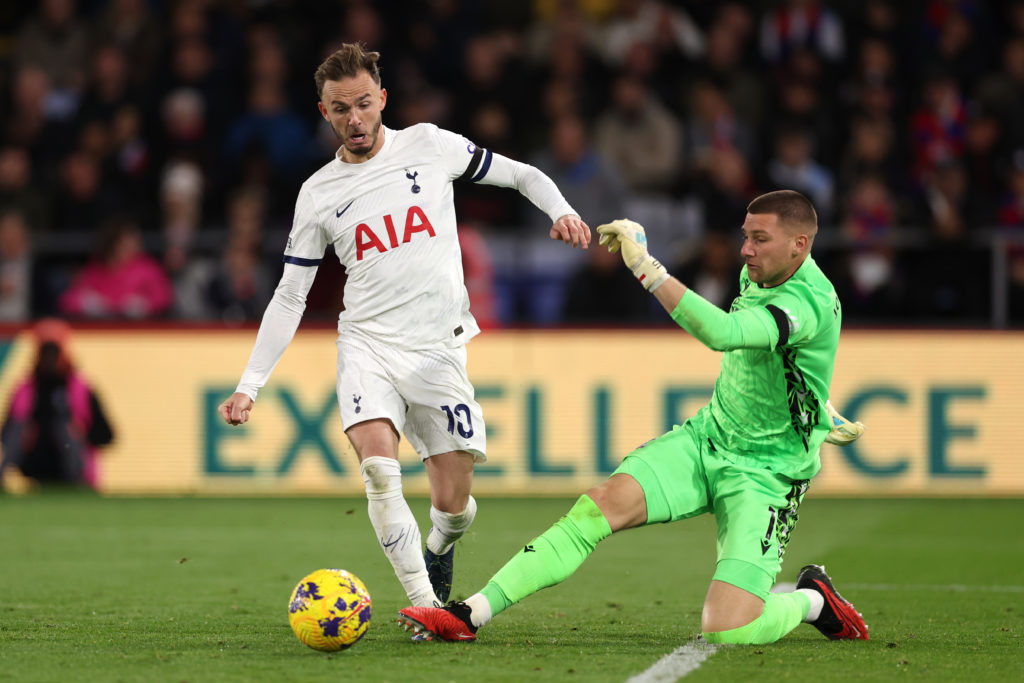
746 457
385 203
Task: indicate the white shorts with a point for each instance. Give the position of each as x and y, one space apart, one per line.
426 395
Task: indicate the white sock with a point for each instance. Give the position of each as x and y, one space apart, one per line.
480 609
448 528
817 602
396 528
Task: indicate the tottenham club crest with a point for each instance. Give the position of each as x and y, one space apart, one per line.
412 176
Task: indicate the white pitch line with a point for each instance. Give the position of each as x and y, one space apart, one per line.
942 588
785 587
688 657
676 664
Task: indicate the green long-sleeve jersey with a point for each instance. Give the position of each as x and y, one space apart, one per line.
779 344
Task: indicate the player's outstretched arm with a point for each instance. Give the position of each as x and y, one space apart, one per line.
236 409
542 193
713 327
628 238
571 229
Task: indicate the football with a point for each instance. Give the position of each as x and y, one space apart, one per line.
329 610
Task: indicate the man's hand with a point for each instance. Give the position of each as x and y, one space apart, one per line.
843 431
629 237
236 409
571 229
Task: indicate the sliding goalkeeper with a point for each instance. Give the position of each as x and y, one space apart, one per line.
747 457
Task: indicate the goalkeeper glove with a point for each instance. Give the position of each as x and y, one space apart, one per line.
629 236
843 431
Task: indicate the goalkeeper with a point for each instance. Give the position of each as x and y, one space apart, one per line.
747 457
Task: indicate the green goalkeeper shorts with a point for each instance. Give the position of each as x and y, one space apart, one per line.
683 475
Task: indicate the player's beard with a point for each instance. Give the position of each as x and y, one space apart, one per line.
364 149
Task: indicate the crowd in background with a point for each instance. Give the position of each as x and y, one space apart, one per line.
151 151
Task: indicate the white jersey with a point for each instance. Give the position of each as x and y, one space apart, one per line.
392 222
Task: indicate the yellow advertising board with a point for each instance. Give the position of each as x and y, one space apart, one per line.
942 409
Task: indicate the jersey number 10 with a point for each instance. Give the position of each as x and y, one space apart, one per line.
456 418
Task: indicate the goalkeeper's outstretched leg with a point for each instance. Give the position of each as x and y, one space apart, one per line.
549 559
728 610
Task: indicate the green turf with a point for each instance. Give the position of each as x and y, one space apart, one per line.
95 589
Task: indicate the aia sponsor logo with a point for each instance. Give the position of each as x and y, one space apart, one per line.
368 239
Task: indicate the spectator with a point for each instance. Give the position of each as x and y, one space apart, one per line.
802 24
186 135
985 160
131 154
493 79
876 62
882 20
240 286
57 42
725 63
1002 92
667 29
870 282
870 215
949 32
944 211
17 191
122 281
109 86
640 137
181 200
55 421
570 78
83 201
937 128
725 189
269 125
947 287
713 126
29 124
793 167
131 26
801 102
194 98
871 150
15 268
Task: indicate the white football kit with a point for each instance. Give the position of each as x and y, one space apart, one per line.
391 220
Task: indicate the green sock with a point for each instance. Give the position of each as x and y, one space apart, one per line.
550 558
782 613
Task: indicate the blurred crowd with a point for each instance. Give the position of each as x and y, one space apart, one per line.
151 150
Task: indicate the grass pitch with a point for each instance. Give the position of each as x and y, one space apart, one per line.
95 589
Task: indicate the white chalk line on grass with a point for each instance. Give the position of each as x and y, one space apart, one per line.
688 657
676 664
785 587
942 588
